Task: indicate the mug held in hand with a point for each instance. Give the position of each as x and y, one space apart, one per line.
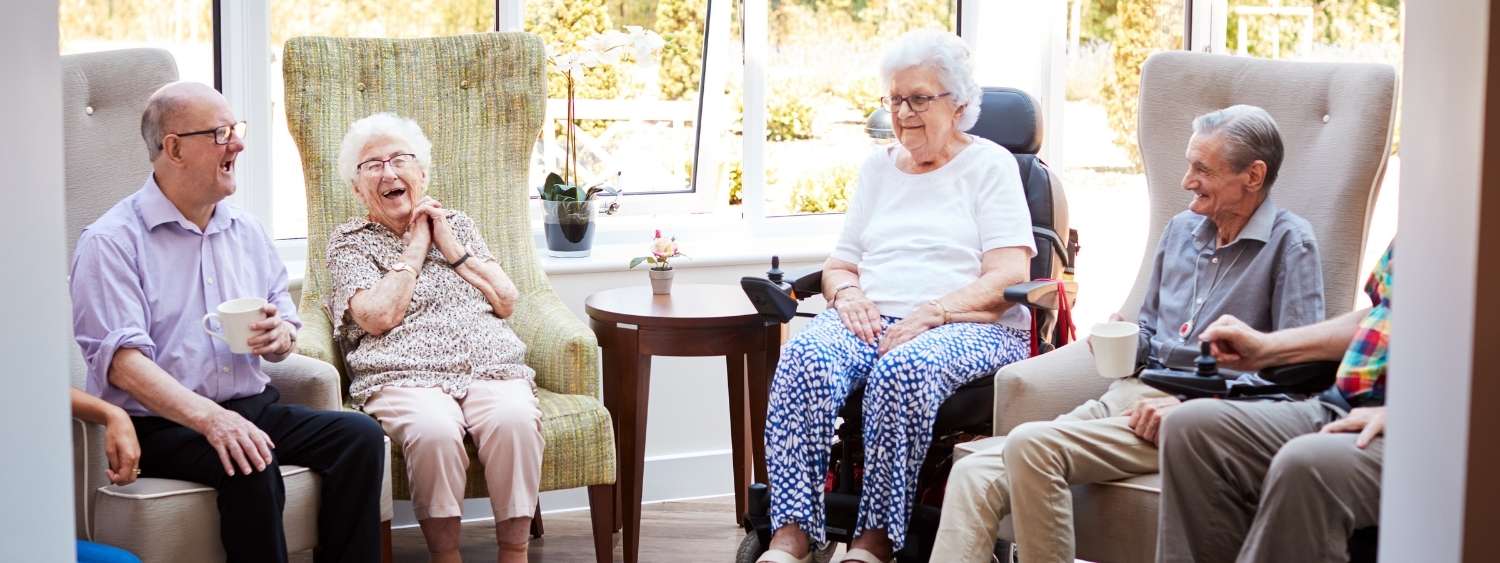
234 318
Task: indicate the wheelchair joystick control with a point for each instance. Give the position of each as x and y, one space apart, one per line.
775 274
1207 365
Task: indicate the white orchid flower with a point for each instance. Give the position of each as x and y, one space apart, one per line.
589 59
647 44
568 63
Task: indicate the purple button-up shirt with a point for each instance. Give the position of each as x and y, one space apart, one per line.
143 277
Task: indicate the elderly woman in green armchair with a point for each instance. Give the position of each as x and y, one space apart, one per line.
419 304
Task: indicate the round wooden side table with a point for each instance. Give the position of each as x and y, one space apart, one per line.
633 325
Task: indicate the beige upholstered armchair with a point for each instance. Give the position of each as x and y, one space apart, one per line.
1335 121
481 99
105 161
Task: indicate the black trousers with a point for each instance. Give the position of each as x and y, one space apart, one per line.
345 448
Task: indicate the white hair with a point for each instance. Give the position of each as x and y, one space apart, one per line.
382 125
949 56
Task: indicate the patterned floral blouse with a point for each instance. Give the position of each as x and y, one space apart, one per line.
450 336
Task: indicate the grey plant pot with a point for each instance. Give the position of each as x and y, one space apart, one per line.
661 281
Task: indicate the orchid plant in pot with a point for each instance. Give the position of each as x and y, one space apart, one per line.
663 249
569 206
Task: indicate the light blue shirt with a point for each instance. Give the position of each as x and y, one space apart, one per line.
1270 276
144 275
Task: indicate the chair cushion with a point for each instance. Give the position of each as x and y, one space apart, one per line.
580 448
172 520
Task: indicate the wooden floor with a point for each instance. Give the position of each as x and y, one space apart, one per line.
701 530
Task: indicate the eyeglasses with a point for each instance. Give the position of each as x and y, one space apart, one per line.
916 103
376 166
221 133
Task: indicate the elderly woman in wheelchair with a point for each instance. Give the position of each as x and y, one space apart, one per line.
938 228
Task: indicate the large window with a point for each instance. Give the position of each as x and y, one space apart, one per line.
1326 30
182 27
1107 42
638 116
345 18
822 84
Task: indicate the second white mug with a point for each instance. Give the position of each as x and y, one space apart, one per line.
1114 344
235 317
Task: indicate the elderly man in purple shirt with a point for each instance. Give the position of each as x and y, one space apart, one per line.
143 277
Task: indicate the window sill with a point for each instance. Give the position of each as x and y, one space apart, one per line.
708 241
720 250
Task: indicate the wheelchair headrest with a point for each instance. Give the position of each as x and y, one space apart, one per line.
1011 119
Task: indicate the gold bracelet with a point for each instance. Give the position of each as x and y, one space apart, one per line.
944 310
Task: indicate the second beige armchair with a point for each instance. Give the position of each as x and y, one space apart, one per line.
1335 120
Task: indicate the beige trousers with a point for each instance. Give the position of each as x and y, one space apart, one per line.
506 423
1029 475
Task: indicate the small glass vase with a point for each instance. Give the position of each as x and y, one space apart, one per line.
569 227
661 281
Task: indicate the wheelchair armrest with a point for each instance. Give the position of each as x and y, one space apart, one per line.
1306 378
1309 378
1041 294
807 283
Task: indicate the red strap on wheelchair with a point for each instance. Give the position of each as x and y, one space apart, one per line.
1066 333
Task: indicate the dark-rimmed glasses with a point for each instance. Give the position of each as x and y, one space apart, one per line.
918 103
221 134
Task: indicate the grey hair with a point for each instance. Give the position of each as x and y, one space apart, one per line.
1251 135
162 104
382 125
944 52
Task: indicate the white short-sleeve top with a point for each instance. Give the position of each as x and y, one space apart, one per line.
917 237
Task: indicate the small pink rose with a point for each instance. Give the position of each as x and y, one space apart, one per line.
663 248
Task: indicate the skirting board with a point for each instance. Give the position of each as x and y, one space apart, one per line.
669 477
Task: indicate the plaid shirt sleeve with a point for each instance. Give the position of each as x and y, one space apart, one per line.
1361 375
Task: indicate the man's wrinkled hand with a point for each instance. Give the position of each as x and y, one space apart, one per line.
240 444
271 337
1147 415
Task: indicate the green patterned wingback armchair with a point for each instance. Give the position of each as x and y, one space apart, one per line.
481 99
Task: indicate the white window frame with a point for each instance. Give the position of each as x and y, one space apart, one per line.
244 59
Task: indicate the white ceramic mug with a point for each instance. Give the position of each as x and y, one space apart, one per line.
235 317
1114 344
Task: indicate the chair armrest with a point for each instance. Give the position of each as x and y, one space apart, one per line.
89 464
305 381
315 340
1043 387
559 346
1042 294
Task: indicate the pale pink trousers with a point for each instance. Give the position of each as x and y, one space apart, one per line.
506 423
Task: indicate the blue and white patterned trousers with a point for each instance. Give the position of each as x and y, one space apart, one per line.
904 388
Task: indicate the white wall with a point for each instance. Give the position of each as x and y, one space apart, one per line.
1422 504
37 521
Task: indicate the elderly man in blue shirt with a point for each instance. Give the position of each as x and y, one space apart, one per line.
144 275
1232 253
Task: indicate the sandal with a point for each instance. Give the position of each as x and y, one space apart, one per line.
860 555
779 556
